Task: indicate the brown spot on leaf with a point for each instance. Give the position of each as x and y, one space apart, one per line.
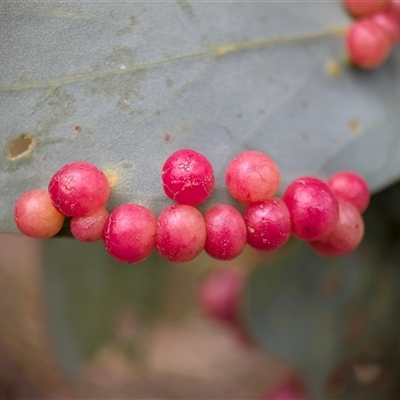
21 146
333 68
354 126
304 136
304 103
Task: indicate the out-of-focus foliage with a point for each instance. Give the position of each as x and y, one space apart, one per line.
90 295
318 312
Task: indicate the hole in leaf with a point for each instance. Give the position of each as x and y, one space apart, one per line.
21 146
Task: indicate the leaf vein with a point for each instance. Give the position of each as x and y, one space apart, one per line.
217 52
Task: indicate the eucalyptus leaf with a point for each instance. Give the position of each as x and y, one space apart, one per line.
124 84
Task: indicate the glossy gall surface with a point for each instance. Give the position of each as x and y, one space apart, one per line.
181 233
389 23
35 215
368 45
312 206
349 186
365 8
225 232
78 189
394 8
129 233
188 177
268 224
89 229
347 234
252 176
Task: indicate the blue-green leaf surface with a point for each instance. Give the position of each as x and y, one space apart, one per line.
124 84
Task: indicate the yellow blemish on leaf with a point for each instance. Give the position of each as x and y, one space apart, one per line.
112 178
354 126
333 68
221 50
341 30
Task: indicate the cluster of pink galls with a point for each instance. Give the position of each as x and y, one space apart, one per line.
325 214
375 33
